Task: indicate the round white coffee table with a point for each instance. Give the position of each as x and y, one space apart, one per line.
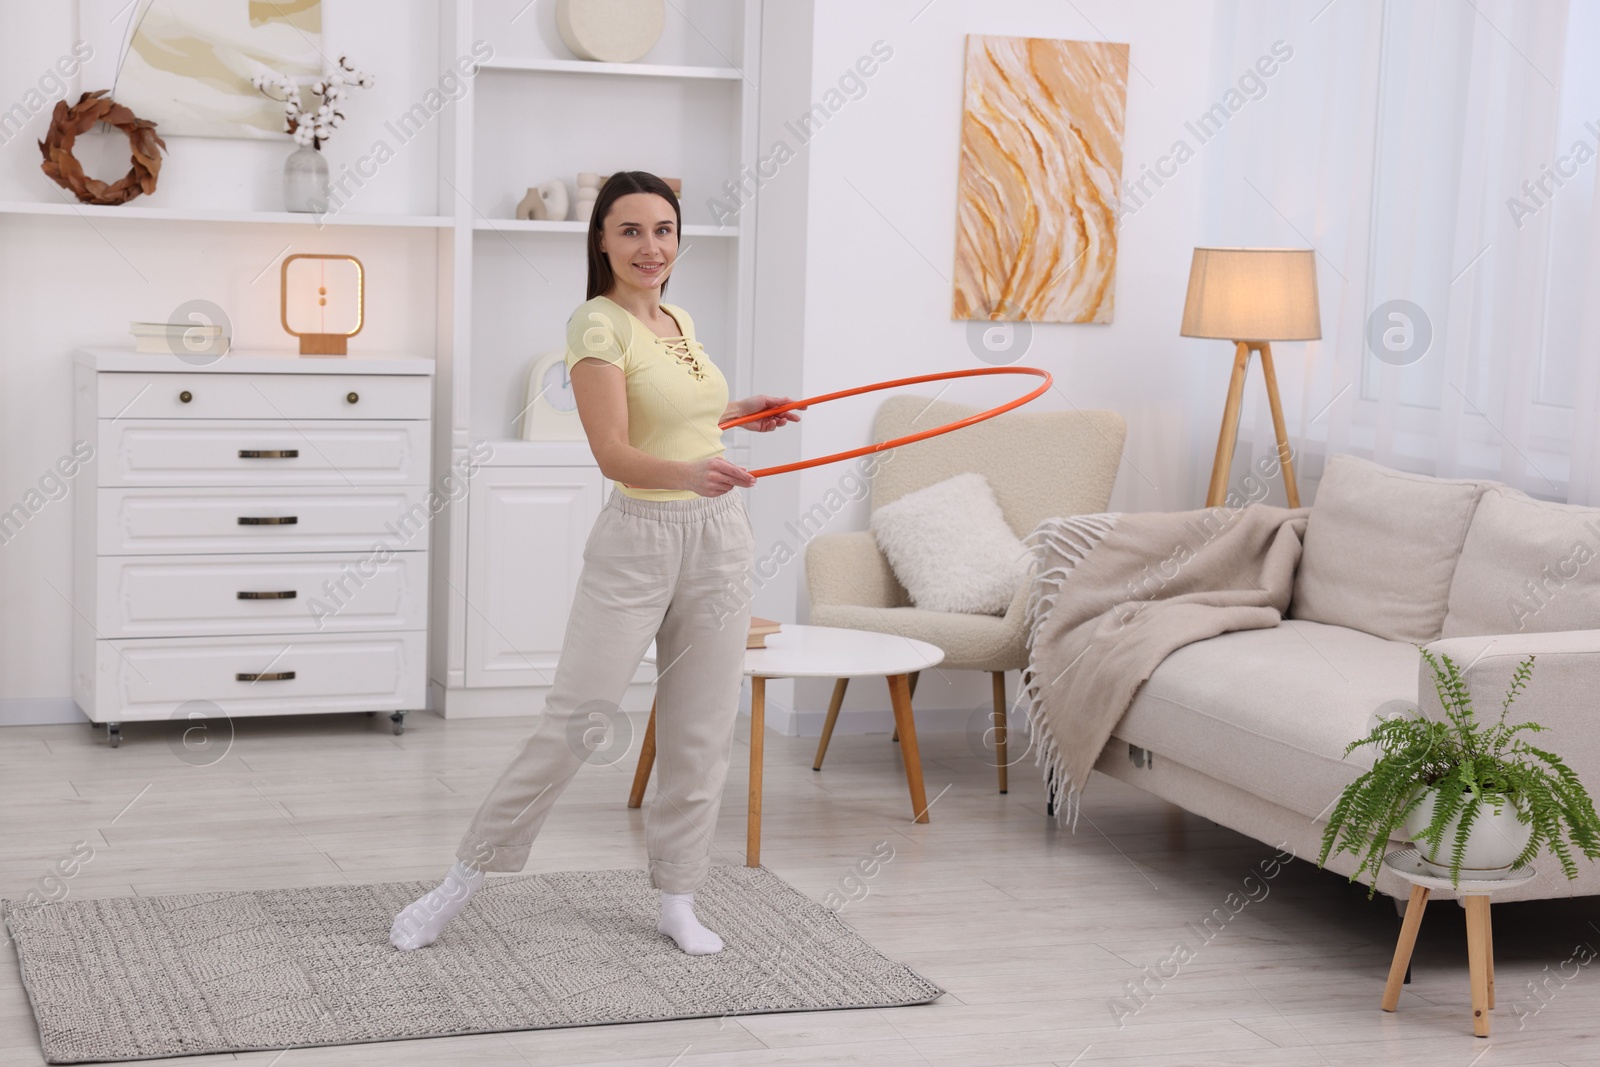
817 652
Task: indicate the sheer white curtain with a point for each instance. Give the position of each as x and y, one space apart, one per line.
1441 158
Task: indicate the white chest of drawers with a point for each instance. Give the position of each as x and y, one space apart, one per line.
250 535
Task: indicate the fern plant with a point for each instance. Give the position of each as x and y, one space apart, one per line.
1471 767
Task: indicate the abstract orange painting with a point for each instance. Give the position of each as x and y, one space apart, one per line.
1041 159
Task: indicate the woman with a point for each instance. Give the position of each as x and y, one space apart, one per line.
669 544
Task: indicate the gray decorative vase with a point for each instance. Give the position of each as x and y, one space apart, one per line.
305 181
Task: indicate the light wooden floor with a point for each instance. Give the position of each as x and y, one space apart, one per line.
1033 931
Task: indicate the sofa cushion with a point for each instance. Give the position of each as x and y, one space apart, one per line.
950 547
1528 566
1271 711
1380 549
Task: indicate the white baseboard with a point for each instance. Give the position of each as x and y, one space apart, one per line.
506 701
518 700
782 717
40 711
500 702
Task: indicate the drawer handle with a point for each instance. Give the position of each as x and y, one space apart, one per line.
351 398
286 594
269 453
264 676
186 396
268 520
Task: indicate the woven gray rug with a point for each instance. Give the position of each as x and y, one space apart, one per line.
135 978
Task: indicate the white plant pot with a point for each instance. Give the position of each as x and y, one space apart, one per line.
1496 840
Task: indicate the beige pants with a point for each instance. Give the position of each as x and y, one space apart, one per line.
658 569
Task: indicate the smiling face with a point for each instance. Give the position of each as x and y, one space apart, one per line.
640 240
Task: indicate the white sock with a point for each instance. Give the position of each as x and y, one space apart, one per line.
678 922
420 922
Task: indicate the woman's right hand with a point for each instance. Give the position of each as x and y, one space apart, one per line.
715 476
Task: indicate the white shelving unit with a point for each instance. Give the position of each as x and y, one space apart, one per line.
534 113
500 588
169 214
569 226
637 70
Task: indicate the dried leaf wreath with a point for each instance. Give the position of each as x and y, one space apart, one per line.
66 123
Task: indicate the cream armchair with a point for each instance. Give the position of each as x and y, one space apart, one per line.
1039 463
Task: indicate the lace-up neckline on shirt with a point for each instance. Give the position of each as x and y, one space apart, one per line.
684 350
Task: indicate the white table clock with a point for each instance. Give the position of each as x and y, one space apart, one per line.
550 411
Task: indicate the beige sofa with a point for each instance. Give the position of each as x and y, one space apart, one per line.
1248 729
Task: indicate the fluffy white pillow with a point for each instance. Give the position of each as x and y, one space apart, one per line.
949 545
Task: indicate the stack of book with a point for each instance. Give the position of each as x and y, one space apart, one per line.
759 629
179 338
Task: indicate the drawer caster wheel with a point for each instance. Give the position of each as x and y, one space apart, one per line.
399 720
114 734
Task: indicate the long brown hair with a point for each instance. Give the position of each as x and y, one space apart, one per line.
622 183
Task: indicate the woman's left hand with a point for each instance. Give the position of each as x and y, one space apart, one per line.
751 405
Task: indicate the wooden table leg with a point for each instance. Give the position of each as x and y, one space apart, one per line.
647 760
900 697
1488 948
911 691
834 705
758 729
1402 948
1477 963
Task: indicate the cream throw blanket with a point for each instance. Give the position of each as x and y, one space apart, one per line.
1113 594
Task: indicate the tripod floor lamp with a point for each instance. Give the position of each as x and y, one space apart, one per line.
1252 296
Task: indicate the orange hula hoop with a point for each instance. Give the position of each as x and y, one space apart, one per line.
895 442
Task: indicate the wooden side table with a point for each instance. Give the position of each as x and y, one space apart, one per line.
817 652
1474 893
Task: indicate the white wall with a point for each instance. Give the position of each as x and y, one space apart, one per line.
880 247
779 210
855 249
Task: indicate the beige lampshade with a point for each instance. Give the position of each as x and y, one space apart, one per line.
1252 294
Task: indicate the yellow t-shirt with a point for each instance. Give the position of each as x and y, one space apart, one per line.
676 394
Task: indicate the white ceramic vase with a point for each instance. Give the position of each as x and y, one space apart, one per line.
554 195
1497 838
